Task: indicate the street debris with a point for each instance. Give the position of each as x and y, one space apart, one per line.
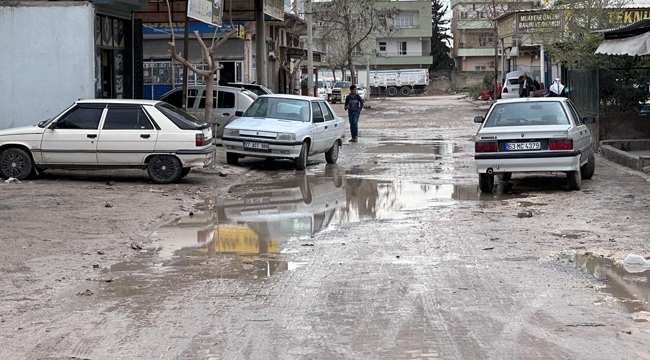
488 248
635 264
12 181
100 252
587 324
95 266
108 204
87 292
307 245
525 214
135 246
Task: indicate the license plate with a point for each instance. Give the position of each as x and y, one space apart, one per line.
253 201
255 145
523 146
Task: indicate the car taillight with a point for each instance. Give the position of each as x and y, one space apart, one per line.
563 144
486 147
200 139
505 89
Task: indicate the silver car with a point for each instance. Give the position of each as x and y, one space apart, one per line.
534 135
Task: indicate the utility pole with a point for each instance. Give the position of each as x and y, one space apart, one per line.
260 44
186 37
310 51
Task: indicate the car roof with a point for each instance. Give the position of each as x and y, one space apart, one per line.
541 99
118 101
289 96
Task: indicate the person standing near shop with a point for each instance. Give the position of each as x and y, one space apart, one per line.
354 105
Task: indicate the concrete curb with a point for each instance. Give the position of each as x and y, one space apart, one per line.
622 168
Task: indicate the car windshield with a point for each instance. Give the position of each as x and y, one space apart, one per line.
527 114
341 84
279 108
179 117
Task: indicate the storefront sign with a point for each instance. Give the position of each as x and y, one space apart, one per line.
208 11
274 9
162 28
629 16
529 22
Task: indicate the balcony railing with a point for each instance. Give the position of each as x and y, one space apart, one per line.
385 54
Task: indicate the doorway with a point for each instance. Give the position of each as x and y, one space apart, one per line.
108 74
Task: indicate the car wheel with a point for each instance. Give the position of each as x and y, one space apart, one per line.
232 159
587 170
16 163
405 91
391 91
574 179
185 172
333 153
301 161
505 176
164 169
486 182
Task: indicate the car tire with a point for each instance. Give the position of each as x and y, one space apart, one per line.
574 180
405 91
301 160
391 91
16 163
332 155
486 182
164 169
587 170
232 159
505 176
185 172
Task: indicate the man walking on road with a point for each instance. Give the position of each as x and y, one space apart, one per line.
525 85
354 105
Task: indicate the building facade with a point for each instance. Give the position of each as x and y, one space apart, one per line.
54 53
474 32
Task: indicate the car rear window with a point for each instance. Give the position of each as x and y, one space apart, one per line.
180 118
527 113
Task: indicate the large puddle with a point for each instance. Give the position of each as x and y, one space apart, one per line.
629 286
425 147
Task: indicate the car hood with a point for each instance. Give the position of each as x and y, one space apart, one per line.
23 130
268 125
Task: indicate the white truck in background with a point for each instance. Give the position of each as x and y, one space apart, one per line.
398 82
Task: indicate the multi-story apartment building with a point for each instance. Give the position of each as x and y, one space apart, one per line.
472 25
409 46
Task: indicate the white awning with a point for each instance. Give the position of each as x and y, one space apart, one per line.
633 45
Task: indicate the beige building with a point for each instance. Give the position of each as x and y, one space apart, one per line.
474 36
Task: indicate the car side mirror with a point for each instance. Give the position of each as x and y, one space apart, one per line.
589 120
319 120
239 113
479 119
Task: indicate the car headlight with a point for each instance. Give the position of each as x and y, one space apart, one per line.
283 136
230 132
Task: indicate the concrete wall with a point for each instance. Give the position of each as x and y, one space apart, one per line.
619 151
47 57
624 126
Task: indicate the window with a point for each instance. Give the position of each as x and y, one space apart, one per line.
126 119
382 46
82 118
226 100
464 14
576 114
327 113
180 118
175 98
214 100
527 114
486 40
316 112
480 15
192 94
279 108
479 68
404 21
401 48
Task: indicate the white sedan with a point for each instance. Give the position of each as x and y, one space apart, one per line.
285 127
534 135
105 133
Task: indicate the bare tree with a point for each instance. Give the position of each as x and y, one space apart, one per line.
208 56
355 25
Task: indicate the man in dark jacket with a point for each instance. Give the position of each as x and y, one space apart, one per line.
354 105
525 86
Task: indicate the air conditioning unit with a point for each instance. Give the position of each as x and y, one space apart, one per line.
491 63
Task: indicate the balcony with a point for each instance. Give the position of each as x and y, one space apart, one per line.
392 59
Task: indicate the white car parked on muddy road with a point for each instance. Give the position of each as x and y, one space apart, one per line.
534 135
285 127
104 133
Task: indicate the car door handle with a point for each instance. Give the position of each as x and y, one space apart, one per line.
91 136
226 114
325 127
145 136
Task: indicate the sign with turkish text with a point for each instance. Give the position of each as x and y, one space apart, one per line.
547 20
274 9
629 16
208 11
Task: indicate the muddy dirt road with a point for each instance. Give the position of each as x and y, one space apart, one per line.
390 254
